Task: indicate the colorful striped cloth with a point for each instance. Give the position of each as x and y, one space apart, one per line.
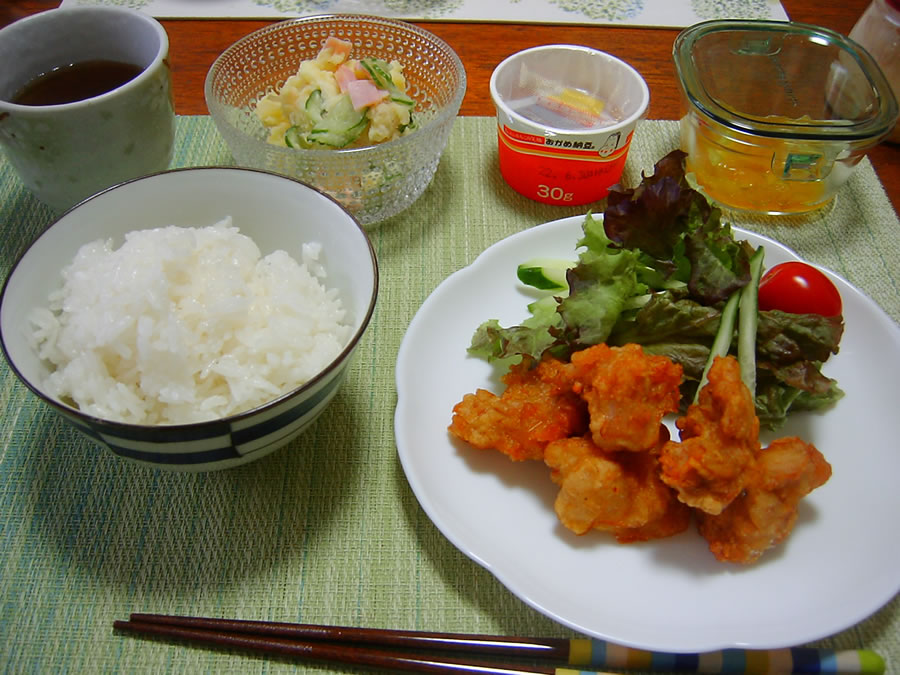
599 654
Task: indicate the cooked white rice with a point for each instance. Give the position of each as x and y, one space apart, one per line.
186 324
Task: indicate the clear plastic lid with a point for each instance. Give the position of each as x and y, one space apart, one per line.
569 88
784 80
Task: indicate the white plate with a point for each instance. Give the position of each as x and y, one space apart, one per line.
837 567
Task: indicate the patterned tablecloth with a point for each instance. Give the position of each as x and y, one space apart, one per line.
325 530
671 13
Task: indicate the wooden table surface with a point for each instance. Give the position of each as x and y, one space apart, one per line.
195 44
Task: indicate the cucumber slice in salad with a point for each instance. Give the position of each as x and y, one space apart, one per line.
546 274
315 106
380 72
294 138
340 126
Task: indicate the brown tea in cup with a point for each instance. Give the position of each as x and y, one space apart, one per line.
76 82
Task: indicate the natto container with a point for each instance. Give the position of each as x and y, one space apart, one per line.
565 118
777 114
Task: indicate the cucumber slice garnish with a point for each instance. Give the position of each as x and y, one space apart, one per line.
546 274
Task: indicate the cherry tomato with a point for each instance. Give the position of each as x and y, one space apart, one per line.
799 288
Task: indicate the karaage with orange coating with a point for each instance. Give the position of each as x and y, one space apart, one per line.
719 441
618 492
536 407
784 472
628 392
597 424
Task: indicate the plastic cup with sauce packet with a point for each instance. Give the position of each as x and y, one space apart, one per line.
565 118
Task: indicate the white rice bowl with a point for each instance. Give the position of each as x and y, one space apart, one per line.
249 336
186 324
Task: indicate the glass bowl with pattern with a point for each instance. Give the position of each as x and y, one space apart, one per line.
373 182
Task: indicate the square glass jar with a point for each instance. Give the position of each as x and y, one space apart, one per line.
776 114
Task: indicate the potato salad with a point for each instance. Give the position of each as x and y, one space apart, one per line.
334 101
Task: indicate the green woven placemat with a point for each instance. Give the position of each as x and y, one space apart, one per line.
325 530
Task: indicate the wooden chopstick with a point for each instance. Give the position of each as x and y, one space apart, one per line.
355 646
383 648
551 649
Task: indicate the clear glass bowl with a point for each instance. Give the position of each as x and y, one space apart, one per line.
373 182
777 114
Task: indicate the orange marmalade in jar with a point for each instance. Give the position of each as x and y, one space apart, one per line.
776 114
763 175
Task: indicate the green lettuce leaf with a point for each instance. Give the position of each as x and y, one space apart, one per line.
657 270
668 317
678 233
784 338
599 286
493 342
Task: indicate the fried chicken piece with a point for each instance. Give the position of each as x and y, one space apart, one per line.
537 406
628 392
616 492
765 513
719 441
